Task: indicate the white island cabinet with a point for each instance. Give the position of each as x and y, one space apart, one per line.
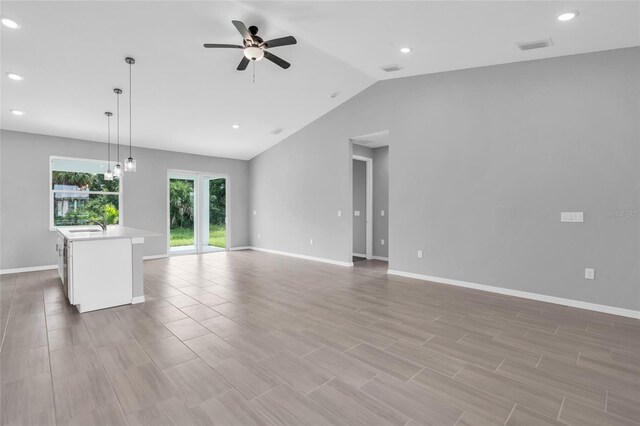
101 269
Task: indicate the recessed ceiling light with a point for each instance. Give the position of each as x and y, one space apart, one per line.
236 126
9 23
17 112
568 16
14 76
405 50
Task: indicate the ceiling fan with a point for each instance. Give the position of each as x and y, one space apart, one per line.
254 48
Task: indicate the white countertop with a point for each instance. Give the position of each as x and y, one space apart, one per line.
113 231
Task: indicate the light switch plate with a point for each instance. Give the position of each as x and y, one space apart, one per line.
339 213
311 241
419 254
258 236
381 212
589 273
356 212
254 212
572 217
382 242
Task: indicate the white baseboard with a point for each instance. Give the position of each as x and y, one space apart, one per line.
154 256
240 248
137 299
386 259
303 256
358 255
524 294
27 269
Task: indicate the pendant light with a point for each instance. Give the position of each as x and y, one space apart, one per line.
130 163
108 175
117 169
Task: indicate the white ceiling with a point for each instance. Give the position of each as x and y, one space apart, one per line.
185 97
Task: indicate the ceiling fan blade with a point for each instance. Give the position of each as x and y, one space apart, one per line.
282 41
226 46
276 60
242 29
243 64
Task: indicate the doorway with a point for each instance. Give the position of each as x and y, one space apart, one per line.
197 212
362 207
370 198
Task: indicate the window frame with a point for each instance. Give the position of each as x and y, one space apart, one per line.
52 226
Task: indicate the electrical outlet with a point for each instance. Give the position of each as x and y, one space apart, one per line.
356 213
381 212
382 242
572 217
339 213
589 273
311 241
419 254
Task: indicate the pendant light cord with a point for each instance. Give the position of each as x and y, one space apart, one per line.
118 124
254 72
108 142
130 110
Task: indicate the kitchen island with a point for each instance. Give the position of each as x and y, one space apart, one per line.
101 268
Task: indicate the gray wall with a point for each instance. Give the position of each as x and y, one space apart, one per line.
484 160
381 201
359 204
25 239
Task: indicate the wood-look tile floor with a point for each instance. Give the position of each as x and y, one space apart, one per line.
249 338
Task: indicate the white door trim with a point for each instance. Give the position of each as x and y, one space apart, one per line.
369 212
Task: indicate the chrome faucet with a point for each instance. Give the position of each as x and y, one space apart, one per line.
102 224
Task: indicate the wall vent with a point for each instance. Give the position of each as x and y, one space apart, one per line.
276 131
391 68
538 44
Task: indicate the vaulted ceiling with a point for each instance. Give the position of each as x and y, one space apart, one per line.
186 98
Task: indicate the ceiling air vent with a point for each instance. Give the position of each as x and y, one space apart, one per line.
538 44
276 131
391 68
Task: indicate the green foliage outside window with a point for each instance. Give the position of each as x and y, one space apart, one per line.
100 202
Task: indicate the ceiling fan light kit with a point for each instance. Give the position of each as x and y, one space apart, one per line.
253 53
254 47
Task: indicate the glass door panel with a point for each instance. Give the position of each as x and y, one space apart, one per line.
182 214
215 214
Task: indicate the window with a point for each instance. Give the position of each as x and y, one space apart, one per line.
79 194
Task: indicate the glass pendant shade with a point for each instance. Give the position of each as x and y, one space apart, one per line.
129 165
108 175
117 170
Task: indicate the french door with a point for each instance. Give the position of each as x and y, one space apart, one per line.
197 212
